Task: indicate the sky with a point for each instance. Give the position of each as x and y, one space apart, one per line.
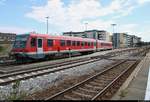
23 16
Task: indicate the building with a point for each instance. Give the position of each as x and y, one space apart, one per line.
7 37
76 34
94 34
123 40
135 40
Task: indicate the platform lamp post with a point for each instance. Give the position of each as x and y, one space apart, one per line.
86 28
47 23
113 26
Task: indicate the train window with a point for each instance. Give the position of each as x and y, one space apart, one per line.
91 43
50 42
94 43
88 43
85 43
62 42
39 43
73 43
68 43
78 43
82 43
33 42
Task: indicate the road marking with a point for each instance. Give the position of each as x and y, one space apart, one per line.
147 94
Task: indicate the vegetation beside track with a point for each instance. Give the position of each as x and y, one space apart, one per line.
5 49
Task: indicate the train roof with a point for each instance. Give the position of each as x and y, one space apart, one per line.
66 37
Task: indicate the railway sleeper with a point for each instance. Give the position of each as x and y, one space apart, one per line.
104 81
67 97
75 96
94 88
95 83
87 90
82 95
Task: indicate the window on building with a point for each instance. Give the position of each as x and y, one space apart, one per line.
49 42
62 42
33 42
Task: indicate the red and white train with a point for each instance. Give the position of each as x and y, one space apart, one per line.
39 46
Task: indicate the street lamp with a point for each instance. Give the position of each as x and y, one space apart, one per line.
47 23
85 35
114 45
86 26
113 25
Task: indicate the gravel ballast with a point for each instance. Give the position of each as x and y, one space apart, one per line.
40 83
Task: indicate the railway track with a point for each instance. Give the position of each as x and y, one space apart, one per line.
100 86
15 68
26 74
6 70
51 65
15 75
6 61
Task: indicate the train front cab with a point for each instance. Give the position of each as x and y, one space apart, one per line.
20 47
27 46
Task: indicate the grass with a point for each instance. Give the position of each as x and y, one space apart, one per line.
123 93
1 48
5 49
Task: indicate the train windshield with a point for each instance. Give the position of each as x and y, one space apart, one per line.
20 41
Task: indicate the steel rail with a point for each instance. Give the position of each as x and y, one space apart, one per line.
39 74
80 83
104 91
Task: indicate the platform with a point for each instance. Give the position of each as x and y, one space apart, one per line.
137 86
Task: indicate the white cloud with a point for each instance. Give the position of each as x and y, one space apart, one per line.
143 1
17 30
128 28
70 17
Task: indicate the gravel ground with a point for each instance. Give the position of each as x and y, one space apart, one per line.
43 82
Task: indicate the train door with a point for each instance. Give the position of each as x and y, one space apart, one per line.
39 45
